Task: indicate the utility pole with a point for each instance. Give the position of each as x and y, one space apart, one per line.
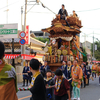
13 61
93 45
21 18
23 46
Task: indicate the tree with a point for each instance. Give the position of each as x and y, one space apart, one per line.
42 39
84 57
96 52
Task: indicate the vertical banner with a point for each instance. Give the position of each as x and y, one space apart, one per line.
95 47
27 35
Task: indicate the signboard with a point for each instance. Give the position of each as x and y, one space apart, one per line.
27 35
8 30
22 41
22 34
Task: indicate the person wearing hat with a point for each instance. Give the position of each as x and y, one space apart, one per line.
45 67
62 87
37 86
48 81
8 80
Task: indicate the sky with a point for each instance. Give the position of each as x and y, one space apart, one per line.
39 17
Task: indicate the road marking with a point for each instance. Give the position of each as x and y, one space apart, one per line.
24 97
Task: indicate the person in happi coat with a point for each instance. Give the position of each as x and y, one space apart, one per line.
48 81
88 72
77 75
62 87
63 14
8 81
84 75
66 69
44 68
98 72
37 86
94 69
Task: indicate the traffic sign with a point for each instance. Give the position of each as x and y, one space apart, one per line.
22 41
8 30
22 34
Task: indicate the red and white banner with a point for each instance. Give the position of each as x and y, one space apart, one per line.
27 35
96 61
27 57
11 56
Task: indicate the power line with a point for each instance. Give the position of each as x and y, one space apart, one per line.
9 5
91 28
88 10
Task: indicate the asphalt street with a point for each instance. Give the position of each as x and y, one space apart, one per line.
91 92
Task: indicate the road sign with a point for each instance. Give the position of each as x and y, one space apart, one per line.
22 34
22 41
8 30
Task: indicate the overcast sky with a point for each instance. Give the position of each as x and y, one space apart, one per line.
39 17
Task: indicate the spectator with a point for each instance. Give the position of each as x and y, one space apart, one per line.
62 87
44 68
8 81
37 86
26 71
76 79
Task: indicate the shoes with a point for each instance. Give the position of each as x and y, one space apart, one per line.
27 85
23 85
78 99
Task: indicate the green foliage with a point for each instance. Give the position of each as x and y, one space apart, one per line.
42 39
96 52
84 57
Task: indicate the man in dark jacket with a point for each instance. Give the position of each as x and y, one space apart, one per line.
63 12
44 68
37 86
25 72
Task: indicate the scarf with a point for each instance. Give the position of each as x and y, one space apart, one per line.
47 79
34 77
58 84
68 68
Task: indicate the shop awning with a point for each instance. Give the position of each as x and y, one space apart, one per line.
11 56
27 57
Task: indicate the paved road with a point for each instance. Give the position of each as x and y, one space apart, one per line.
91 92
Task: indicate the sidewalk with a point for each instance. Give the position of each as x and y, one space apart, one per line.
20 85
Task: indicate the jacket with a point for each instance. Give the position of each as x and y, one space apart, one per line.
39 90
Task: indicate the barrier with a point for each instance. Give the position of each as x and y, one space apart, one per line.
23 89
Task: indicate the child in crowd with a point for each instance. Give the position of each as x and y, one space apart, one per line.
48 81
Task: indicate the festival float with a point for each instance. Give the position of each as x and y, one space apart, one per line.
64 42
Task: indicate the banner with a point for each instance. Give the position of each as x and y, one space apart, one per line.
27 35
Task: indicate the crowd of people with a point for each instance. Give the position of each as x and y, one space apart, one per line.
67 78
45 84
